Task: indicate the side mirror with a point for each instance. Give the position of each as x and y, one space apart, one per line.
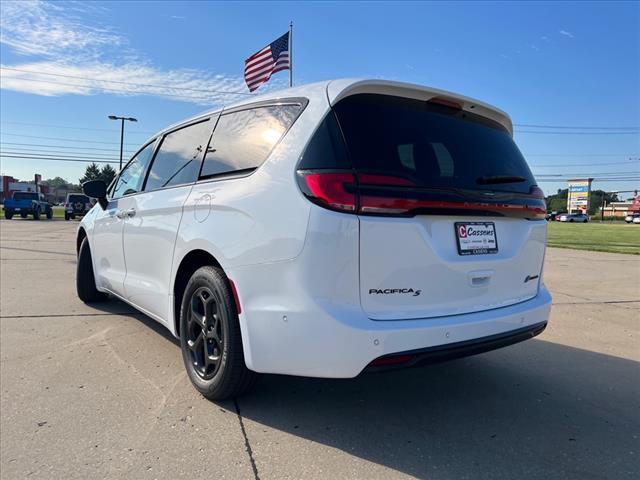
96 189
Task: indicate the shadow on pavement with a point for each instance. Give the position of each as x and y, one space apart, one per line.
533 410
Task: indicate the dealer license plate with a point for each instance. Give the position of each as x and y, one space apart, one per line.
476 238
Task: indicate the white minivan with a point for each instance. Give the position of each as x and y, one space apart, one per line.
324 230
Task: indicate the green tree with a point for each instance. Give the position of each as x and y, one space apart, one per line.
57 182
107 174
91 173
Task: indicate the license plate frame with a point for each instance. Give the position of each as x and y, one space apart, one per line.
484 244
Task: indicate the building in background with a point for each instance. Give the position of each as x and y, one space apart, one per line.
9 185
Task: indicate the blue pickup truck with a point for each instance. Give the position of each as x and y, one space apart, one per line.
27 203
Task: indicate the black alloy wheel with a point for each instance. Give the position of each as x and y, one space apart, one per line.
206 333
210 337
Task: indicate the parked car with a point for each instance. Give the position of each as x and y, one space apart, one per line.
574 217
632 218
77 205
552 216
324 231
27 203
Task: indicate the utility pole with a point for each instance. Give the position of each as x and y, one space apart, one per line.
122 119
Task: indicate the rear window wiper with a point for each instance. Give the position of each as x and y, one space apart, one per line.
492 180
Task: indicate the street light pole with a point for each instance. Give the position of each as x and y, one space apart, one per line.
121 140
122 119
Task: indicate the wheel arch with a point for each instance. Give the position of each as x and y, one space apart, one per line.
82 234
191 262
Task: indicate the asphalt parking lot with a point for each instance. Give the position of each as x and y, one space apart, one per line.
102 393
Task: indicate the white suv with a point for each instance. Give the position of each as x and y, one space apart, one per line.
322 231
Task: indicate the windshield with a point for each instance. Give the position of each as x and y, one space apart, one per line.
18 196
431 145
78 198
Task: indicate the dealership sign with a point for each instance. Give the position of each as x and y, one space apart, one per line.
579 194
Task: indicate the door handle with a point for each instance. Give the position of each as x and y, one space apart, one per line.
126 213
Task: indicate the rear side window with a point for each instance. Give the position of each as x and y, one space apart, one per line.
25 196
179 156
430 145
243 140
326 148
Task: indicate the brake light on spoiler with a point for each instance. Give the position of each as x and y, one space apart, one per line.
369 194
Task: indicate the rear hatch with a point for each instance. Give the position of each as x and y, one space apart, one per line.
451 219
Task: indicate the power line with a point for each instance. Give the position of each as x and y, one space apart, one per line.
44 153
569 127
67 139
564 165
580 154
131 92
57 159
139 132
64 147
636 179
225 92
594 175
138 92
576 133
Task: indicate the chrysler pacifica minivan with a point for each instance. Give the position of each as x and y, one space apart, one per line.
324 230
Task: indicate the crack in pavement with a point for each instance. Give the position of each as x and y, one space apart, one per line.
596 302
37 251
247 445
60 315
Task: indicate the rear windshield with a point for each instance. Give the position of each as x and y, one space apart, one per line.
431 145
78 198
25 196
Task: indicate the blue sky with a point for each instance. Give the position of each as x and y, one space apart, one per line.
573 64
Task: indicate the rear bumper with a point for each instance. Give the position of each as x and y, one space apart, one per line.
441 353
319 337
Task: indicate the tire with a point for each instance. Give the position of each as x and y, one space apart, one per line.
85 280
66 216
49 214
216 333
23 214
571 221
8 214
36 214
73 217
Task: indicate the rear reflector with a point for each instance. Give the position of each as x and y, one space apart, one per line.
345 192
391 360
236 299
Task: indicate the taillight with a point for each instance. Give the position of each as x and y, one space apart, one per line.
330 190
374 194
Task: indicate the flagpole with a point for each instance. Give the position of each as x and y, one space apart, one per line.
291 54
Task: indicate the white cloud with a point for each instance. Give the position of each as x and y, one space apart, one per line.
545 38
566 34
37 28
75 55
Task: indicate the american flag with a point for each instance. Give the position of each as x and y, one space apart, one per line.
273 58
